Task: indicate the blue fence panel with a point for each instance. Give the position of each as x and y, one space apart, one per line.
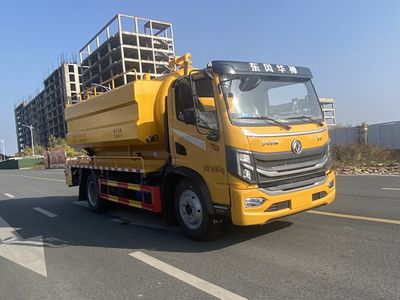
343 136
385 134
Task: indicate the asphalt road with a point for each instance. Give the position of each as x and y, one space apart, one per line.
130 254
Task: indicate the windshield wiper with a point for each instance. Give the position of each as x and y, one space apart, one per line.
306 118
265 118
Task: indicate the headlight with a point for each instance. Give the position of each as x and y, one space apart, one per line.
253 202
244 157
241 164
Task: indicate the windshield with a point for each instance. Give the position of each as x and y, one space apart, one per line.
255 100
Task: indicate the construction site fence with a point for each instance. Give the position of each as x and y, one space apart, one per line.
386 135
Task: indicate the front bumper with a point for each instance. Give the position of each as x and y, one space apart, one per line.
299 200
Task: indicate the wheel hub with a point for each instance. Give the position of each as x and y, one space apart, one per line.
190 209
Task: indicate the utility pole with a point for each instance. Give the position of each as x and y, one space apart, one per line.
31 128
4 151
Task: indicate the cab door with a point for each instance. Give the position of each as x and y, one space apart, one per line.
197 140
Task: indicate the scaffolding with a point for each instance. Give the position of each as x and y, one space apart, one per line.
126 47
328 107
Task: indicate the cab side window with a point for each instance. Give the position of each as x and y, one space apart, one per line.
183 99
204 102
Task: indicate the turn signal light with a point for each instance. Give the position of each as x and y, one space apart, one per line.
331 184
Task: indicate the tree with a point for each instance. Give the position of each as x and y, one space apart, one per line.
56 143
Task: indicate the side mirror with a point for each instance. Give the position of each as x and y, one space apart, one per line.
189 116
249 83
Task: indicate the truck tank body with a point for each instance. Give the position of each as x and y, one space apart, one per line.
123 121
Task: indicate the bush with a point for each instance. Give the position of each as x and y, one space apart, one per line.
27 151
56 143
355 155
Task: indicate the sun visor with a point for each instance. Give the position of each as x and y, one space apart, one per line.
250 68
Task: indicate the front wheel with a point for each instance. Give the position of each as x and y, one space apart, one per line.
191 212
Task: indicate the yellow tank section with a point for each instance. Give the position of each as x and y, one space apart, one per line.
113 119
127 121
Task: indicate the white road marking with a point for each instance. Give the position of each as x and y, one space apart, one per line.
28 253
45 212
34 177
8 195
391 189
41 178
197 282
325 213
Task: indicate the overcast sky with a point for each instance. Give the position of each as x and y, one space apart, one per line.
352 47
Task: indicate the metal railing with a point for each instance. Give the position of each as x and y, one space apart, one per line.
183 62
106 84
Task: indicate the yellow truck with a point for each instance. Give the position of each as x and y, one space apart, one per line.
239 141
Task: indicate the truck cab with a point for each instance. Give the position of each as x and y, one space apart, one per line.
250 142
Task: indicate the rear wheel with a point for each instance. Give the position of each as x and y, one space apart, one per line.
191 212
92 191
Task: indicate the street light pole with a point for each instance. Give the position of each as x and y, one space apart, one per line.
31 128
4 151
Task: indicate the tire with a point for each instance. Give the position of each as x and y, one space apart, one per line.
191 212
96 204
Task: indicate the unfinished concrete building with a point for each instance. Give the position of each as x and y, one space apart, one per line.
328 107
45 112
21 117
124 48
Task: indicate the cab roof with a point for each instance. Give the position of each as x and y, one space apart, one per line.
251 68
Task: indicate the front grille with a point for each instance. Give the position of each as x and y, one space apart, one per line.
287 171
288 162
284 180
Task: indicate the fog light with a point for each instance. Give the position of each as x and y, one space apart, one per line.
331 184
253 202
